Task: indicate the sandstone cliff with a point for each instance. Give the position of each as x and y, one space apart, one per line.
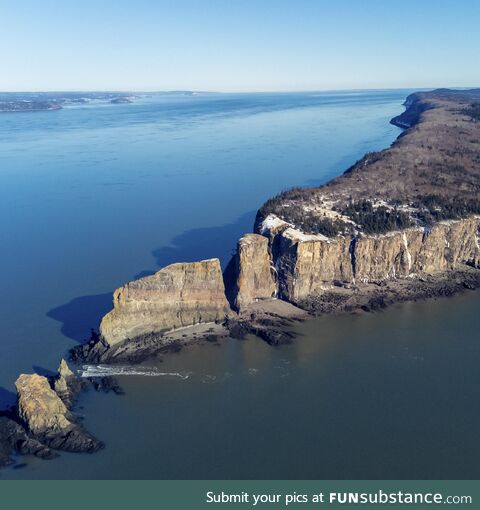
251 272
177 296
308 265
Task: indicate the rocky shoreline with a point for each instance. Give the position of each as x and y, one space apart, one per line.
399 225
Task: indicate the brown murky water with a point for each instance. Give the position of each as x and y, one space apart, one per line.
387 395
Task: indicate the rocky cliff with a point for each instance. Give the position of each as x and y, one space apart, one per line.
177 296
307 265
399 224
250 274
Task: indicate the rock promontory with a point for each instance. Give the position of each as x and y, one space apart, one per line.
400 224
178 296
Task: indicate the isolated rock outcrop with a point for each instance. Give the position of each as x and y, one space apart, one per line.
41 421
47 418
250 273
177 296
39 406
67 385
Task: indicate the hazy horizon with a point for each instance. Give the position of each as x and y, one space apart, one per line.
195 91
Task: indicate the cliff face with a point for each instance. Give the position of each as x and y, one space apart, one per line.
252 271
308 265
281 261
418 251
178 295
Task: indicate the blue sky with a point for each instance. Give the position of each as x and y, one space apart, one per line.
238 45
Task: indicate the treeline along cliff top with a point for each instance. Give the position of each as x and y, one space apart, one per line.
431 173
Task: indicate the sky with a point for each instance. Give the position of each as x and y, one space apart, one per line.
238 45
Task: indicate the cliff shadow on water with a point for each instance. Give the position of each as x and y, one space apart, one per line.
83 313
205 243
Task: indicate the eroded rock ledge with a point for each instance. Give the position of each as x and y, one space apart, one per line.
403 223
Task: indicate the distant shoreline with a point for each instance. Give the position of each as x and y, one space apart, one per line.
53 101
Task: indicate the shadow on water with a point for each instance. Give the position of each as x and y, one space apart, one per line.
7 399
83 313
205 243
43 371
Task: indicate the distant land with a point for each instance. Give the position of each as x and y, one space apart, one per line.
50 101
47 101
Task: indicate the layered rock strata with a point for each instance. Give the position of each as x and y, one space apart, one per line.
251 272
308 265
177 296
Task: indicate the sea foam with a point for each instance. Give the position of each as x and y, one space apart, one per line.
116 370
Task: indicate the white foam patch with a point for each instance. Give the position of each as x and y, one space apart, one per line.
116 370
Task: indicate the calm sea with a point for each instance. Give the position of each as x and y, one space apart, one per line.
95 195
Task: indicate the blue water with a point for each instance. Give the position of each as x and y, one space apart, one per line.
95 195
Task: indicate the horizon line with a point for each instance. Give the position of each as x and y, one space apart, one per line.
198 91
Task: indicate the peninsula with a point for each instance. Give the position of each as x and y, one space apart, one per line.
400 224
